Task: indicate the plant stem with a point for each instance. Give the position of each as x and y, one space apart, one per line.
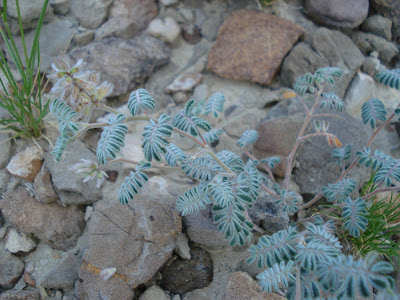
266 168
377 191
298 283
292 154
136 163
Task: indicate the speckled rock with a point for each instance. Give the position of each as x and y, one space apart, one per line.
44 187
20 295
90 13
11 268
58 226
126 64
251 46
5 149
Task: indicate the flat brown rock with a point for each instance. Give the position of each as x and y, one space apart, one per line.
251 46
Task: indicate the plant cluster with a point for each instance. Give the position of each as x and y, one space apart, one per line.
23 100
304 263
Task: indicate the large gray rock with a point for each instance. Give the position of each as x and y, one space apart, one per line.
126 64
368 42
90 13
54 38
314 166
136 239
11 268
127 18
378 25
20 295
68 185
339 13
44 187
58 226
30 12
326 48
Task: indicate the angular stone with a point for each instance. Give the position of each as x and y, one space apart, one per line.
339 13
127 18
326 48
391 10
182 275
68 185
126 64
136 239
166 30
60 6
90 13
251 46
184 82
154 293
182 246
84 38
11 268
44 187
58 226
241 286
378 25
368 42
18 242
26 164
64 274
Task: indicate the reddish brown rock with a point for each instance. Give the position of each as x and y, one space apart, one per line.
26 164
58 226
251 46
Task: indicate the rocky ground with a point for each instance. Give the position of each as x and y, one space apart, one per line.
57 234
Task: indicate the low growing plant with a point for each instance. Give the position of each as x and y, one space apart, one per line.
23 100
305 263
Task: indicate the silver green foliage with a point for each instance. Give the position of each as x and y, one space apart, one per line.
140 101
289 201
280 275
332 101
202 168
221 191
174 154
390 78
215 104
271 162
342 154
304 84
213 135
155 138
193 201
133 183
372 111
62 141
353 215
188 121
65 116
340 191
111 139
327 74
249 137
309 82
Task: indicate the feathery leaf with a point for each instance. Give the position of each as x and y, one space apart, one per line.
249 137
215 104
140 101
373 110
133 183
390 78
193 201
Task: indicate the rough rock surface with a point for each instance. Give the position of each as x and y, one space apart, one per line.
182 275
58 226
314 167
30 12
166 30
44 187
391 10
241 286
325 48
69 186
339 13
17 241
378 25
20 295
251 45
127 18
5 149
368 42
90 13
184 82
154 293
26 164
54 38
124 63
11 268
136 239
